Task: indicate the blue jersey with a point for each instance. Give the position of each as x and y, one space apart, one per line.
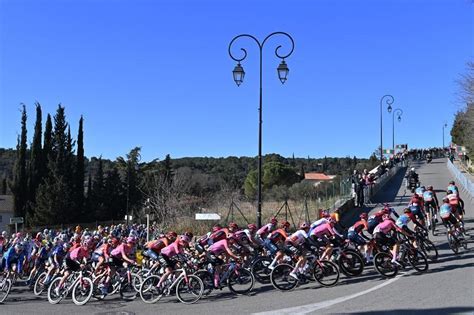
419 191
402 220
11 256
428 195
453 188
445 210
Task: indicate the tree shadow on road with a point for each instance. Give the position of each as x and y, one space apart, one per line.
429 311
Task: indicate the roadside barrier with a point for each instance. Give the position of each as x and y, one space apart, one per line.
462 180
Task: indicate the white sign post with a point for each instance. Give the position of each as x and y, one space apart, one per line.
16 220
208 216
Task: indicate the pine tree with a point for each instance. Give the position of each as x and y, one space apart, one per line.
168 168
19 185
36 163
79 171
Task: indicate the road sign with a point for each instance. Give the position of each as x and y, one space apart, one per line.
207 216
16 220
388 151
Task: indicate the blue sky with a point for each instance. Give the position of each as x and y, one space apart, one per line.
157 74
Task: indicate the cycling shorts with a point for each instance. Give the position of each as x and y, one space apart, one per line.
151 254
356 238
72 265
214 260
382 239
291 250
449 220
166 261
272 248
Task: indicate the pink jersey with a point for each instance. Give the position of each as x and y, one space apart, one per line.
323 229
219 247
79 253
385 227
172 250
122 249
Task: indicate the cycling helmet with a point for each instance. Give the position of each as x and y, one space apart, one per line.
19 246
412 169
452 182
446 199
233 225
184 238
430 187
274 221
131 240
172 235
304 226
285 224
407 210
216 228
4 234
363 216
252 227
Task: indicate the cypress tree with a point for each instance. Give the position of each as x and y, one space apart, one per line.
36 162
114 201
98 193
47 145
19 185
54 197
79 171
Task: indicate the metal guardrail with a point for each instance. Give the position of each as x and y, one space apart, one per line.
464 182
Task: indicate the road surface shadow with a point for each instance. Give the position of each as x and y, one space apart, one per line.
429 311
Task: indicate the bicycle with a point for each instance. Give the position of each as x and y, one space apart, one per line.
426 246
6 281
80 286
239 280
182 282
455 240
324 272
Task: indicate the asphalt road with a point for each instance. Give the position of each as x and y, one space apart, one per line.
447 288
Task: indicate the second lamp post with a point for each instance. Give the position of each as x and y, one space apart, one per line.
399 113
239 74
388 99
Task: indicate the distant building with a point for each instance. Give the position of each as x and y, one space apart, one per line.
6 211
317 178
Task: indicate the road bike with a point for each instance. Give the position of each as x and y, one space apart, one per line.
77 283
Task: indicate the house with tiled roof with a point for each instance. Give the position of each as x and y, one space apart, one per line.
6 211
316 178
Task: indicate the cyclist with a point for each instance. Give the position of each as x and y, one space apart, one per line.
251 232
377 218
452 186
325 216
454 202
154 247
383 236
170 251
294 245
265 230
447 214
14 258
416 206
55 259
356 235
430 204
405 218
419 191
220 248
75 261
275 241
320 237
102 253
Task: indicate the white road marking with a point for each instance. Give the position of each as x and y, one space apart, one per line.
305 309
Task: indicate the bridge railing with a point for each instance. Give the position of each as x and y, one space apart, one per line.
462 180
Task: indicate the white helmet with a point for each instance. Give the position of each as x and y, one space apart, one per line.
412 169
4 234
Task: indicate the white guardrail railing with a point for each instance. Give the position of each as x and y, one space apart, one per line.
462 181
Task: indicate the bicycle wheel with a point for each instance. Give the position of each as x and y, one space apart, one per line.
207 279
116 283
127 290
384 266
82 291
39 286
260 270
136 282
5 287
190 290
453 243
350 263
429 249
149 291
418 260
281 279
326 273
241 281
53 296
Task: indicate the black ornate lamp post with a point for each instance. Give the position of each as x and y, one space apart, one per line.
239 74
388 99
444 126
399 113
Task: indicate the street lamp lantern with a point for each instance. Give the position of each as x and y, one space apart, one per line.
389 108
283 71
399 118
239 74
